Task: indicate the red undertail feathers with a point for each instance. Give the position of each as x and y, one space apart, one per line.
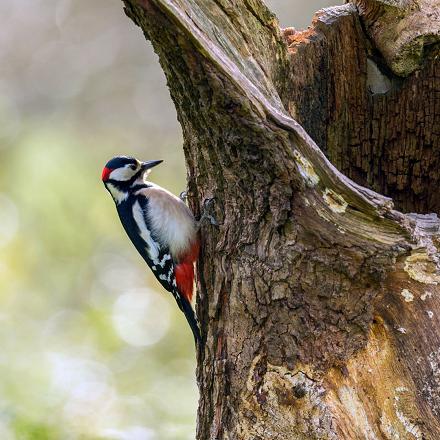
184 272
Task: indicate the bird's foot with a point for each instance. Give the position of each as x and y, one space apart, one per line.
207 205
183 196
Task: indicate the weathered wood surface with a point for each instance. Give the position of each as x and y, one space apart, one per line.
402 30
319 302
377 129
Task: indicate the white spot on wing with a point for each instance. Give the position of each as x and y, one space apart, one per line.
152 246
165 258
170 274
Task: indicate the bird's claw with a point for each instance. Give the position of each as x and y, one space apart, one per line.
183 196
207 205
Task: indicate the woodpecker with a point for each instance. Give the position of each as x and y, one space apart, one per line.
160 225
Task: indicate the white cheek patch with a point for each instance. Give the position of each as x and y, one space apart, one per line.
122 174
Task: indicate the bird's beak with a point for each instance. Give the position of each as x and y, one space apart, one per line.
150 164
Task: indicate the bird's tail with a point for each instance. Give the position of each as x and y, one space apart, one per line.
190 316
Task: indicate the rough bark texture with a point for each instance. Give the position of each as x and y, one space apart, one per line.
378 129
318 302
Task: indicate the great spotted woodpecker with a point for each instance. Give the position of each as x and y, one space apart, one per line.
160 225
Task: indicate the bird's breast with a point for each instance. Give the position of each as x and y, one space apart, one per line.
171 221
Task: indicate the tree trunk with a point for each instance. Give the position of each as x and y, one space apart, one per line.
318 301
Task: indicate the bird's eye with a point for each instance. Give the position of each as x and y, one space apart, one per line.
133 167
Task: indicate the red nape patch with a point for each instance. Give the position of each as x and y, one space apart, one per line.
105 173
184 273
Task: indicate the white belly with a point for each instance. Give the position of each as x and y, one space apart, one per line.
170 220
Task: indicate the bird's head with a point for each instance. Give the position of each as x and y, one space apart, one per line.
121 172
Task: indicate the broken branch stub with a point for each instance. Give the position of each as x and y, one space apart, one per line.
402 30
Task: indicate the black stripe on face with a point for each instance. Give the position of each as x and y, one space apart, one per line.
126 185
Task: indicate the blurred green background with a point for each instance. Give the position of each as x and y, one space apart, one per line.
91 347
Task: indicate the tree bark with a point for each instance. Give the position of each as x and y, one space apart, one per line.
318 301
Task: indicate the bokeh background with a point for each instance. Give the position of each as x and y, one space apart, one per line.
90 345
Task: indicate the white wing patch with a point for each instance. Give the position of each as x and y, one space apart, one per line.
165 258
152 246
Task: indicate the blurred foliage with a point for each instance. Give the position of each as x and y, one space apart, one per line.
92 348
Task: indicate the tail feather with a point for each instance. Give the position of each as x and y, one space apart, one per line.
190 316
